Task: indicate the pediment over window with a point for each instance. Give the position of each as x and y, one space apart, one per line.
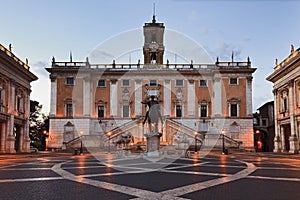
101 102
69 124
203 102
233 100
235 127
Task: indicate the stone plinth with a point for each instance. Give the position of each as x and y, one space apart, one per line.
294 144
153 142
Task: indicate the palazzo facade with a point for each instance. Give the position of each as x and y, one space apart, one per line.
15 79
100 101
286 90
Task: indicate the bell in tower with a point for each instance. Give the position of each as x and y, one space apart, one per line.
153 42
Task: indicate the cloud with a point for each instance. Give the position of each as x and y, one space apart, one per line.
193 16
38 68
224 51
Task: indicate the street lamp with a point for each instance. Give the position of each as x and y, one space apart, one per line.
196 150
223 142
109 134
46 139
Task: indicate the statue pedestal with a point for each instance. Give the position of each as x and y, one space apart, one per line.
153 143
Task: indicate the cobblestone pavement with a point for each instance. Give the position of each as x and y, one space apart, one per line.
215 176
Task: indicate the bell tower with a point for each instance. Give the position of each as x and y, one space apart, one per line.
153 48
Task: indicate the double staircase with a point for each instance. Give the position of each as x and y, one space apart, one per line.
205 140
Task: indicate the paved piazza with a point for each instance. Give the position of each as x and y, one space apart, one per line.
215 176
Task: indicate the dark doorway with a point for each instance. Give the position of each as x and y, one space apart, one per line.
287 134
17 138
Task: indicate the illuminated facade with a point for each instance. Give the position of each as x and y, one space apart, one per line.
202 98
286 90
15 79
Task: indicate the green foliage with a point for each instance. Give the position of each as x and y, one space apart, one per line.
39 123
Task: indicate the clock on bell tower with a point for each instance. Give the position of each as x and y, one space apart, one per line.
153 42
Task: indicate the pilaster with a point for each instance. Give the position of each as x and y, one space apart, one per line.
167 98
249 96
113 98
217 97
138 98
86 96
2 137
53 96
191 98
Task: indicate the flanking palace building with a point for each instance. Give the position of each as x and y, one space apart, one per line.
97 102
15 89
286 90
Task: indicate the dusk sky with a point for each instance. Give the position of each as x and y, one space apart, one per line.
262 30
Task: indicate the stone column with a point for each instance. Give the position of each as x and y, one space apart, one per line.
138 98
26 141
167 98
10 148
282 132
86 96
2 137
249 96
21 140
217 97
53 95
191 98
113 98
277 139
293 139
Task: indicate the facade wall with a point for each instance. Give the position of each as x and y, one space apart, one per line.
286 78
15 79
191 92
179 93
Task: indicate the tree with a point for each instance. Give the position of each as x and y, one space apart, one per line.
39 123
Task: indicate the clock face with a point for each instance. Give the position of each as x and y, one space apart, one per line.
153 46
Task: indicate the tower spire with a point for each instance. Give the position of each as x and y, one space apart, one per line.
153 19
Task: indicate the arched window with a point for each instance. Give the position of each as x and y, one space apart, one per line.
2 95
284 101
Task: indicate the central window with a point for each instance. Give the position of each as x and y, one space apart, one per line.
153 82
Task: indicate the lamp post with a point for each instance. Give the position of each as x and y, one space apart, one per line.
46 139
103 125
257 140
223 142
109 134
196 150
